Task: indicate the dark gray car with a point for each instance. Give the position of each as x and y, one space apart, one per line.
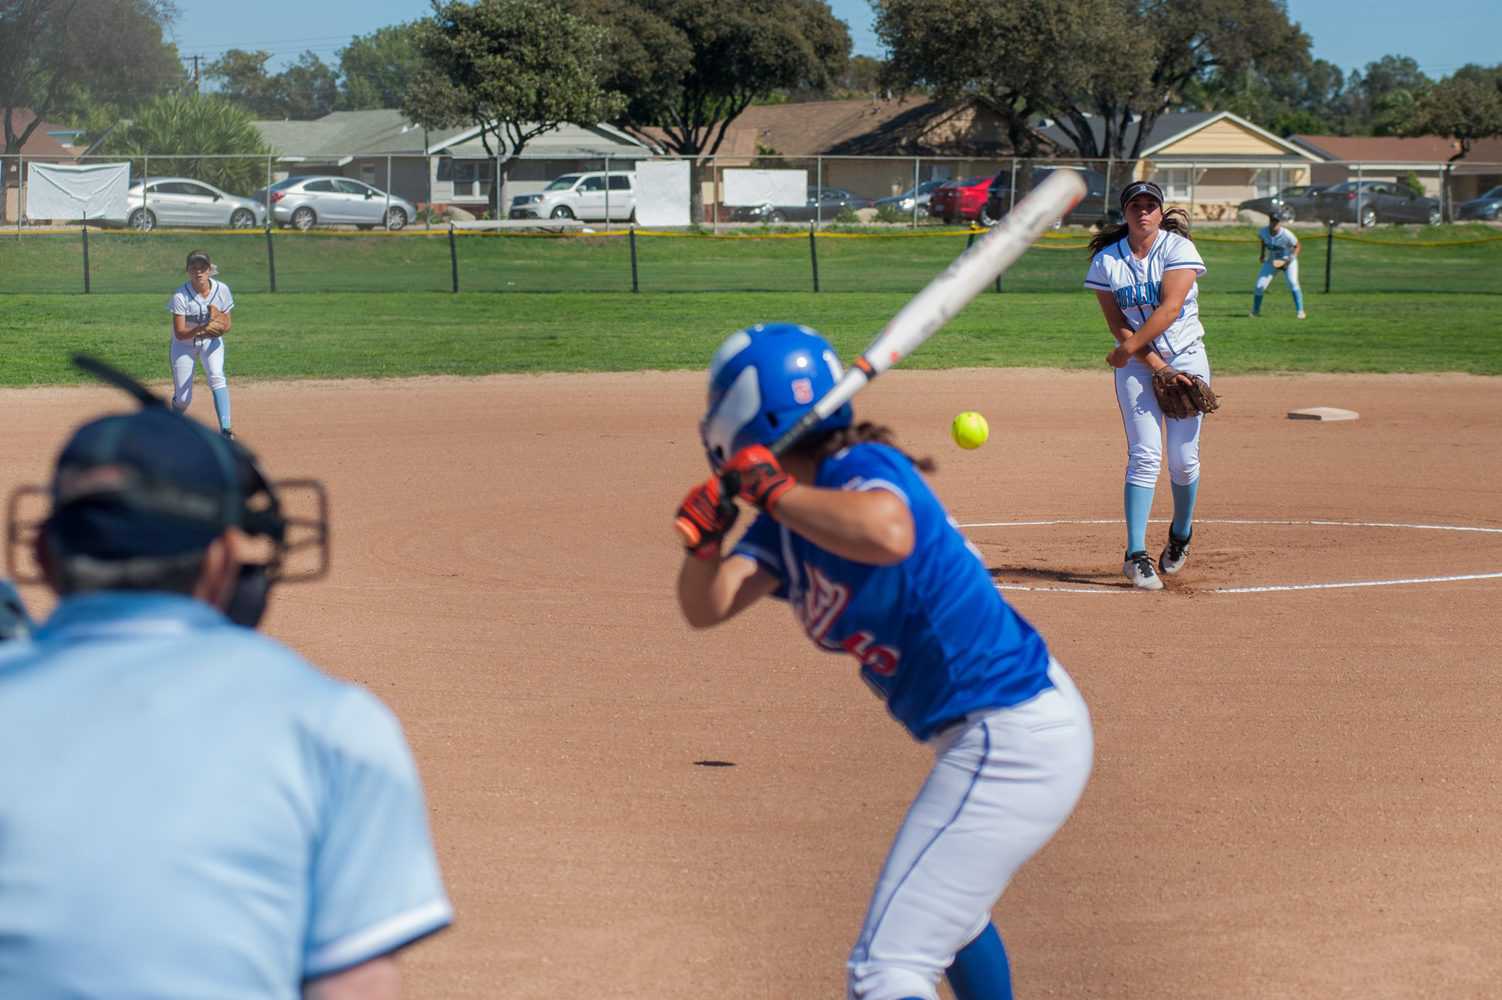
823 204
1293 204
1487 207
1370 202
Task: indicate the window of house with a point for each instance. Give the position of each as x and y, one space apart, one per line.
470 178
1265 181
1174 181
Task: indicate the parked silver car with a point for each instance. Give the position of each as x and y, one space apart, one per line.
183 201
305 202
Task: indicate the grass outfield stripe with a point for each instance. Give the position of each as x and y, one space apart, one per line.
362 335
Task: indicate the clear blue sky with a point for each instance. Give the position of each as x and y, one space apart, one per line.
1441 35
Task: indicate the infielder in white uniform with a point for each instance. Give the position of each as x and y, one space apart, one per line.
1145 275
1280 252
200 311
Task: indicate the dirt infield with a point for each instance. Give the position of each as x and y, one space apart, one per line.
1297 785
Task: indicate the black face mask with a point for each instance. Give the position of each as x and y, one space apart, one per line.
247 603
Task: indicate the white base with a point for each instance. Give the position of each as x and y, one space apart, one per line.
1322 413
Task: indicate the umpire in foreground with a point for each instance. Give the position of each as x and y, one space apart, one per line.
187 808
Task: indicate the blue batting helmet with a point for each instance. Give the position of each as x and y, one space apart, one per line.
762 380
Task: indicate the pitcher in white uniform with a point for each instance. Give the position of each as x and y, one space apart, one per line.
1145 275
198 335
1280 252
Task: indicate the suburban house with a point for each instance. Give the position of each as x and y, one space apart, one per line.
872 147
1343 157
50 143
448 167
1207 161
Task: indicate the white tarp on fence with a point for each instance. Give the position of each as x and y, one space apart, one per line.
662 192
765 187
64 192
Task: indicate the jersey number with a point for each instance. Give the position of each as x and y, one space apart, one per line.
880 660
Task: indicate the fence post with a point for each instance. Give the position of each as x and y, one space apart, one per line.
607 194
813 253
819 191
916 182
1012 201
270 257
714 171
453 258
631 232
86 255
1329 250
145 188
386 216
268 191
21 202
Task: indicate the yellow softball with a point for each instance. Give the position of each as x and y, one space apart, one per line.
970 430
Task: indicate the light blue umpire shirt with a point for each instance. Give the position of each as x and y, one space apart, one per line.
188 809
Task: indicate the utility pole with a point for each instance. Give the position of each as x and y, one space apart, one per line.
197 77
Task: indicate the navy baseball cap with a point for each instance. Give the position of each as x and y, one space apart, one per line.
1141 187
151 483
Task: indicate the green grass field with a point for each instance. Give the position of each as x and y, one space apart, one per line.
375 306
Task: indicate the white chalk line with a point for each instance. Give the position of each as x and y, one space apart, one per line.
1264 588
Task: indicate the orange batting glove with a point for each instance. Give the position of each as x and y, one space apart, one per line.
757 476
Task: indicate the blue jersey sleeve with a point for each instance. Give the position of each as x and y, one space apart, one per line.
763 543
375 885
869 468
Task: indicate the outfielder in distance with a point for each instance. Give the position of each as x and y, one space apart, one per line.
200 311
1144 274
850 535
1279 252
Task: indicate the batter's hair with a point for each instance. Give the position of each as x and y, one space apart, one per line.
81 574
1175 220
820 446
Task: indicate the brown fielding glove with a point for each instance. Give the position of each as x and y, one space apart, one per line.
1180 400
1280 262
217 323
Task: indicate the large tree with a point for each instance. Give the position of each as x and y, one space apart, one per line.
59 57
1467 106
1307 98
1106 70
689 68
514 69
1031 53
377 70
188 135
305 90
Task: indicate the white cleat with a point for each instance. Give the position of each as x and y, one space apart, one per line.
1175 554
1301 314
1138 568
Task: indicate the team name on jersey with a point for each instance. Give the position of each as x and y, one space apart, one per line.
822 604
1148 293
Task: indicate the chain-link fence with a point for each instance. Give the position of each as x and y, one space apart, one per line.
387 222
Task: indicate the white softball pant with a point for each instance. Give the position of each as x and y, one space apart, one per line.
1144 423
1004 781
208 351
1268 273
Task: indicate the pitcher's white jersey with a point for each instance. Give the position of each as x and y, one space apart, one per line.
1138 286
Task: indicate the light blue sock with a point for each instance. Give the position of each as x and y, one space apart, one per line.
1298 299
1256 302
1183 508
980 970
221 407
1139 503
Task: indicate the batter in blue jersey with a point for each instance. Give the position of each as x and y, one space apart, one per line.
850 535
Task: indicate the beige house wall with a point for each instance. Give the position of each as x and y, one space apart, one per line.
1224 138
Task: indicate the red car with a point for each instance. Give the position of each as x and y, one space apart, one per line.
960 200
